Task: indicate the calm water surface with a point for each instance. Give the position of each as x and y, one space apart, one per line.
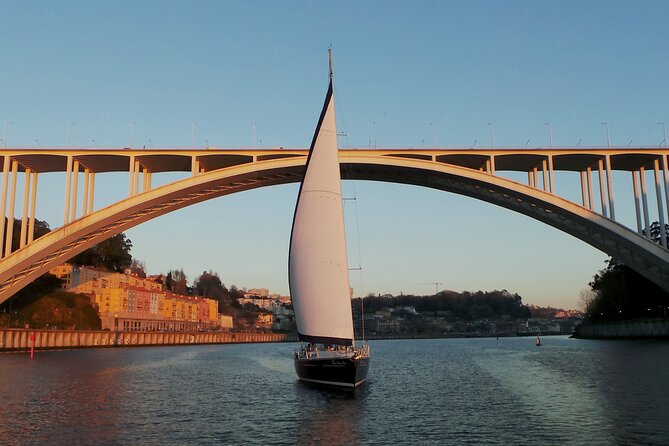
446 391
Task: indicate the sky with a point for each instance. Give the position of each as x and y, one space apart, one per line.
215 73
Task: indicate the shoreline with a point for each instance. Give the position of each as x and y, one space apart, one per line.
19 339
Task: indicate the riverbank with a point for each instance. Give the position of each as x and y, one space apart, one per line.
632 329
20 339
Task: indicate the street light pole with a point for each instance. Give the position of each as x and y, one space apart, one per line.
664 133
434 135
550 135
608 137
492 132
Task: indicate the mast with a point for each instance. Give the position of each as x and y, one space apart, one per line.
318 264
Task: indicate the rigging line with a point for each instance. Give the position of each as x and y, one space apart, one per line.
357 230
354 198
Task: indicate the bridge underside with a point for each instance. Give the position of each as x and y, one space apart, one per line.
21 267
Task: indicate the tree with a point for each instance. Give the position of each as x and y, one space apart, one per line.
209 285
169 281
179 281
138 268
113 254
41 228
622 293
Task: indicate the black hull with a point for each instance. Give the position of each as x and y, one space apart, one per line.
342 372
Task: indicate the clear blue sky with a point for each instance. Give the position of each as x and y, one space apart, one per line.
399 66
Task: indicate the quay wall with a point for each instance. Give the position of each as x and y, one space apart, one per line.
19 339
632 329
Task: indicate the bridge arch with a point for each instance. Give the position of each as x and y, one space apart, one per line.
23 266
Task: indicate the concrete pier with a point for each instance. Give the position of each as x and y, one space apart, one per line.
19 339
632 329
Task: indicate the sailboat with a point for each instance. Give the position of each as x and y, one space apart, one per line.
318 267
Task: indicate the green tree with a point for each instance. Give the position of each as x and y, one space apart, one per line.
138 268
41 228
113 254
169 281
208 284
619 292
622 293
179 281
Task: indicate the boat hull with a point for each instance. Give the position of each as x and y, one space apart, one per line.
341 372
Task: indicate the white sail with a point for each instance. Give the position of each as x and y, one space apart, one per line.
318 267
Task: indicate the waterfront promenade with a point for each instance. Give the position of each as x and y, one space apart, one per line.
19 339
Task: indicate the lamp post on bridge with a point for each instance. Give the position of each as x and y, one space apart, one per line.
492 133
608 137
550 135
664 133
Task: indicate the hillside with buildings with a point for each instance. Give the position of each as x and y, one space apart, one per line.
452 314
129 302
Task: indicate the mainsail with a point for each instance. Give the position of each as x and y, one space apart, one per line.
317 265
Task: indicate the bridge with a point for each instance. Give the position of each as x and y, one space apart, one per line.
213 172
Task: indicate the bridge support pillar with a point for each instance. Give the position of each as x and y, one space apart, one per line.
33 205
91 194
551 172
584 190
145 179
635 185
3 199
591 200
644 201
602 189
665 168
24 213
12 204
609 185
660 207
131 174
68 189
544 175
135 179
75 189
87 180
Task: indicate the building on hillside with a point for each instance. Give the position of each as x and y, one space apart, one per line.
226 321
257 292
262 302
90 280
265 321
130 302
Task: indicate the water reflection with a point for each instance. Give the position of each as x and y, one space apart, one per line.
447 391
59 398
332 415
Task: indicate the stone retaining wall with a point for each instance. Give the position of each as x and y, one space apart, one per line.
642 328
15 339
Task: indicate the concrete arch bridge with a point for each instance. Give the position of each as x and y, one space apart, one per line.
212 173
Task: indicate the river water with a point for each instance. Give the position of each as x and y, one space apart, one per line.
445 391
